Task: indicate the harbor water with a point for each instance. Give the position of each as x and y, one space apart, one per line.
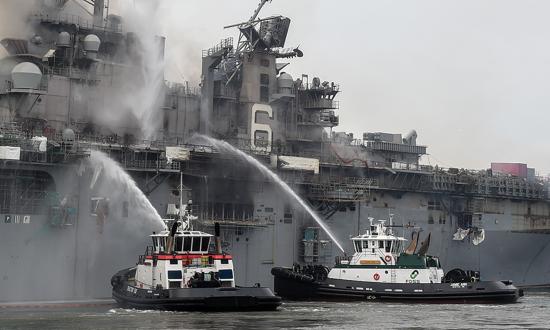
533 311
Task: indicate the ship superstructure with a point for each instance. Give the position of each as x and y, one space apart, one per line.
55 83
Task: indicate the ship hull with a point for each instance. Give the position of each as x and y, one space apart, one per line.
293 285
76 260
193 299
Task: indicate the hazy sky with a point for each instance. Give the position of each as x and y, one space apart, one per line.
471 76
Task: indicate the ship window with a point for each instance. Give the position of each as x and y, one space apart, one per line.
179 243
388 246
365 244
186 243
196 243
434 205
357 247
204 244
264 94
155 243
162 243
225 261
174 275
226 274
380 244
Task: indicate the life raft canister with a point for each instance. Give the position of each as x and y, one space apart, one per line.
387 258
376 276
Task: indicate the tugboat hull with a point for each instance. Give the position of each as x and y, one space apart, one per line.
293 285
184 299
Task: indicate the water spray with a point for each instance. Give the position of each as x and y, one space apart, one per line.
116 174
222 145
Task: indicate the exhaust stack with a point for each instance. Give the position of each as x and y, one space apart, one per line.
170 246
99 7
217 238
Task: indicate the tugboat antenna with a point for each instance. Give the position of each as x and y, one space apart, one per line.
181 195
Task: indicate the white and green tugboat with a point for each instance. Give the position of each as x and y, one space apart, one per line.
383 269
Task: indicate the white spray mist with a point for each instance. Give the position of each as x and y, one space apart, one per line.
226 147
130 100
119 180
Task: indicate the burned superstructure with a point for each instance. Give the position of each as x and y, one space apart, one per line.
65 92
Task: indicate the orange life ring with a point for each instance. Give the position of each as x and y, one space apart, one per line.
387 258
376 276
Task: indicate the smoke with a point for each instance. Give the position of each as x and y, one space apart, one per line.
76 257
14 16
129 99
177 21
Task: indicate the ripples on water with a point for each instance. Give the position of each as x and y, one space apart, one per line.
532 312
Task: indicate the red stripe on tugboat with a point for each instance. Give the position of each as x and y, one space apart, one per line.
190 256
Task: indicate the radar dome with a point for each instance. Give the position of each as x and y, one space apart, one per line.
285 83
91 45
64 39
285 80
410 138
68 135
26 75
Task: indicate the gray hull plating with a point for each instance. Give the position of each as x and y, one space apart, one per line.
45 262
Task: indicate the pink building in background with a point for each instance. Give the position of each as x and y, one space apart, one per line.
515 169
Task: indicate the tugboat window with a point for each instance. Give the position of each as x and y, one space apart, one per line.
162 241
196 243
155 243
179 243
380 244
186 243
388 246
365 244
226 274
174 275
204 244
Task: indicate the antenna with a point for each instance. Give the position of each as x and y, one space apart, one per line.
257 11
181 194
270 34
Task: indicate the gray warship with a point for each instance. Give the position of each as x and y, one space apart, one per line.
66 226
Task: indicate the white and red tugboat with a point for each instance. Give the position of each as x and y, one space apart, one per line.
182 272
382 269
